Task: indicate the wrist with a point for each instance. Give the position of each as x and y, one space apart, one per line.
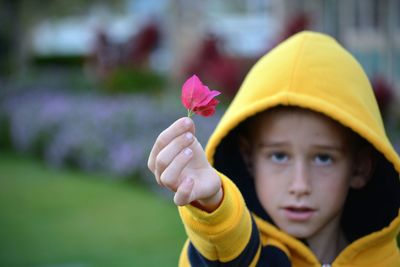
210 204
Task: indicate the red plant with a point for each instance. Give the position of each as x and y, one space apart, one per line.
198 98
383 93
216 67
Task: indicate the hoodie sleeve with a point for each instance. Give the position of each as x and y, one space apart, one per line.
226 237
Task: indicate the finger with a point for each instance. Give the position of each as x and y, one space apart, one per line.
177 128
171 176
166 156
183 194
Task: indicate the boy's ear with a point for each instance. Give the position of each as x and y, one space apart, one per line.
246 151
364 167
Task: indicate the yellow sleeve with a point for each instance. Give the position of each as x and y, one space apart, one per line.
225 235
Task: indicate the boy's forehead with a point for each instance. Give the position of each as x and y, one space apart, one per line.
283 113
280 119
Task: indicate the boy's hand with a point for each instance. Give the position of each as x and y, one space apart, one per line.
178 162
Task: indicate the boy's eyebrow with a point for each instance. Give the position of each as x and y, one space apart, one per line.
272 144
330 147
278 144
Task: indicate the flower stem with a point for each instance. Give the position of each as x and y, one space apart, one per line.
190 113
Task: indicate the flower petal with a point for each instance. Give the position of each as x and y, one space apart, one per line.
207 110
193 92
210 95
198 98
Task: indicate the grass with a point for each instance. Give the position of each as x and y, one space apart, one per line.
52 218
68 218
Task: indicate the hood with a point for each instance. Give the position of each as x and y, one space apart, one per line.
311 70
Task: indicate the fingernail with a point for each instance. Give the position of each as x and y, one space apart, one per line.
187 151
189 136
189 180
187 122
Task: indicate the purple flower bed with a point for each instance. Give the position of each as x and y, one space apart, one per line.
93 132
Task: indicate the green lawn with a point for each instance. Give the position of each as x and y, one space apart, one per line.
64 218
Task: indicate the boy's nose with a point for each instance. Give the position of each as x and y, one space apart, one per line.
300 181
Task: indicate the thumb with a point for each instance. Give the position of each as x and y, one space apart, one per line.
184 191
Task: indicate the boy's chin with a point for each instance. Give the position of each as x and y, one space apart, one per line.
299 231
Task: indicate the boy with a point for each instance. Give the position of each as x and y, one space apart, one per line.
313 179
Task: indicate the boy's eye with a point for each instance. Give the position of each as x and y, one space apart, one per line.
323 159
279 157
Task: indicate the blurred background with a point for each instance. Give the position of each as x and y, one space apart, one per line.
87 85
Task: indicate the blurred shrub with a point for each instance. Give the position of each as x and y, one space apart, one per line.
221 71
5 138
125 66
59 60
134 80
384 93
95 133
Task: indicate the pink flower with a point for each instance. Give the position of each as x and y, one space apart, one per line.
197 98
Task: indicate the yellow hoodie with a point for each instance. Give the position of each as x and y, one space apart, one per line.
309 70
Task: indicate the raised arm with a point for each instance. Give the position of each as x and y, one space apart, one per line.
220 227
178 163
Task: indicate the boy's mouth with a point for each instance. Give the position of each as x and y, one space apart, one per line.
298 213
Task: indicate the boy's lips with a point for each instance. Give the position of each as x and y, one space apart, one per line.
298 213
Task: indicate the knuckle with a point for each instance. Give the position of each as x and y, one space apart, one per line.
163 180
167 181
180 199
161 163
160 143
157 176
150 165
185 195
162 139
182 141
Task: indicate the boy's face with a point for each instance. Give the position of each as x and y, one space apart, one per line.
303 167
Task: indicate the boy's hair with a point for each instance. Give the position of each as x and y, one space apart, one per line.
245 133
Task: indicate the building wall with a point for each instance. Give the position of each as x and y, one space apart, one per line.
370 29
